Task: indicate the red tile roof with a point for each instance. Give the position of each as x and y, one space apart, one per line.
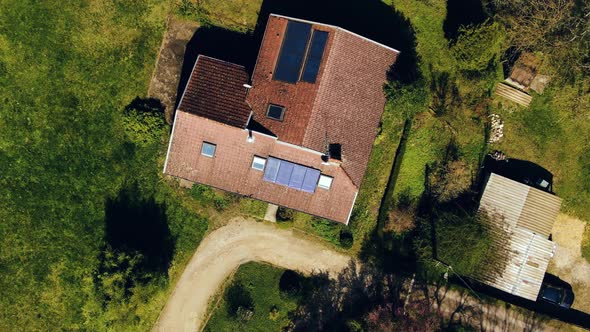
343 107
231 167
216 91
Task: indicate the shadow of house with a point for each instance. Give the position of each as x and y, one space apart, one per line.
138 227
219 43
370 18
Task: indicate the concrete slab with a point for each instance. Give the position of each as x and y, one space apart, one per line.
271 213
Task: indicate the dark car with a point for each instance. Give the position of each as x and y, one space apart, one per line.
557 293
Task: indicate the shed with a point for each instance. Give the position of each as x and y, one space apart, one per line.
522 217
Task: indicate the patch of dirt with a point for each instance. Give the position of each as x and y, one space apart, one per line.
223 251
568 263
164 83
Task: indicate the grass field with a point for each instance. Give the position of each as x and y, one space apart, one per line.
270 307
67 72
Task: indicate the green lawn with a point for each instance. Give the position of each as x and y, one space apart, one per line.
67 72
261 282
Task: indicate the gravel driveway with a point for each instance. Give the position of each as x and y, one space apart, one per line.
228 247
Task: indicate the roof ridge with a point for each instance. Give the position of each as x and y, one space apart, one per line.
219 60
336 28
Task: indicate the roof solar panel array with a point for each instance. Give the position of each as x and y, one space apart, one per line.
314 56
291 175
292 52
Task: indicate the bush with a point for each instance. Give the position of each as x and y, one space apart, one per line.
238 301
285 214
273 314
346 238
477 47
327 229
290 283
220 203
244 314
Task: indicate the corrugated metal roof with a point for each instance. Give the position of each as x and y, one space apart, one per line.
521 218
529 257
520 205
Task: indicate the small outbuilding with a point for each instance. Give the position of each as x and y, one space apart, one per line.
522 218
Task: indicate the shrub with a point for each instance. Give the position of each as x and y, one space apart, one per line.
327 229
477 47
346 238
238 297
273 314
220 203
285 214
290 283
244 314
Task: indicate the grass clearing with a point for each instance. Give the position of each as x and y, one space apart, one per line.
259 282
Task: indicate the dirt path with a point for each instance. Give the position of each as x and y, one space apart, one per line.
568 263
228 247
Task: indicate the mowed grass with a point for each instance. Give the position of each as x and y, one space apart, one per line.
262 283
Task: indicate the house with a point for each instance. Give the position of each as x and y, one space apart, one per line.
299 133
522 218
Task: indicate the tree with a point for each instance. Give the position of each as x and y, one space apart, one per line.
559 28
477 46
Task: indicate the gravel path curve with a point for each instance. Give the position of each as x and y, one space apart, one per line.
228 247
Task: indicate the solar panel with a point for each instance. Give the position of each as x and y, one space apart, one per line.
297 177
314 56
292 175
272 168
285 170
292 52
310 180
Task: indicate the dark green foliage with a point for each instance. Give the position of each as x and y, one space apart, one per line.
144 121
192 10
327 229
238 297
270 308
285 214
139 228
220 203
445 94
290 283
207 196
478 47
346 238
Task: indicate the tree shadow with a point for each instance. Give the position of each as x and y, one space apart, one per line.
138 228
462 13
146 105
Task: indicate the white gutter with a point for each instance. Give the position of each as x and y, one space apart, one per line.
352 207
337 28
176 114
